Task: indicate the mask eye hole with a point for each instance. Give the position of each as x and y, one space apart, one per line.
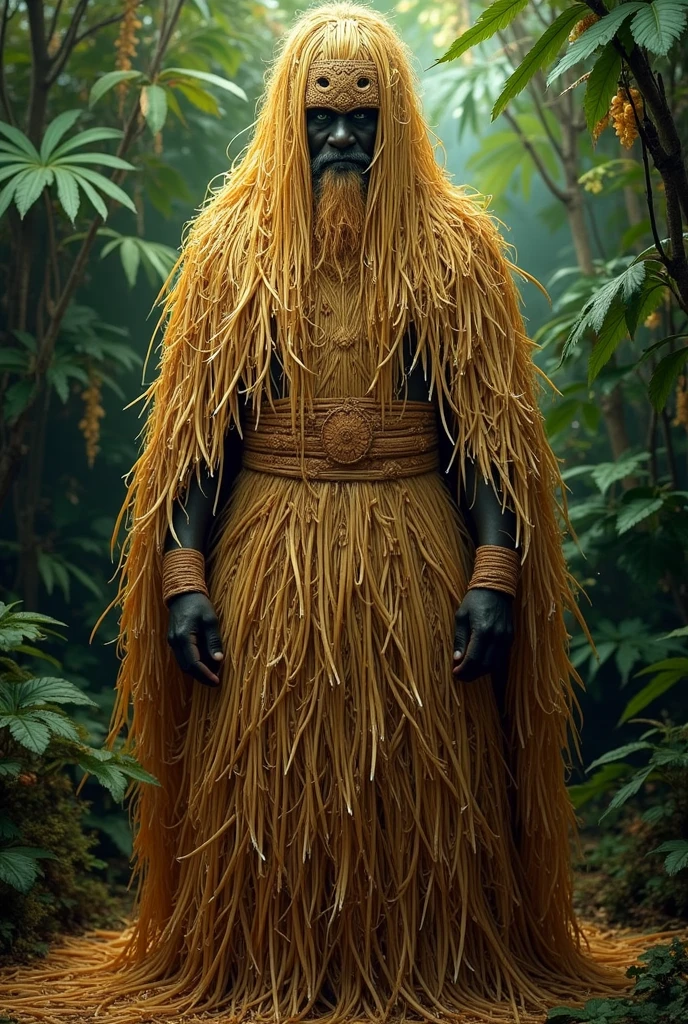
363 83
323 83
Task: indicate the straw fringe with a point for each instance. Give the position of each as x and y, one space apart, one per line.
341 831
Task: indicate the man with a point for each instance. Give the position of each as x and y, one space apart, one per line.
352 820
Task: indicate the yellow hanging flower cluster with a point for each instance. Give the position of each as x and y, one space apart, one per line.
653 320
89 425
623 117
127 40
681 418
581 26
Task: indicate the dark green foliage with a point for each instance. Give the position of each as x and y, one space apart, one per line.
660 995
66 894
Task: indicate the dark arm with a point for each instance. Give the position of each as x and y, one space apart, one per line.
193 632
483 623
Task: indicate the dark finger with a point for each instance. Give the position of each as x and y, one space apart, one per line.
189 658
462 633
472 664
213 640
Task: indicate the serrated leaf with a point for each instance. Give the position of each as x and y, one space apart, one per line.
17 869
678 855
224 83
627 791
543 52
104 184
9 769
620 753
99 159
635 512
29 188
131 257
92 195
50 690
664 377
84 138
109 81
20 141
55 130
602 85
604 474
108 776
25 729
133 770
643 303
597 35
67 192
498 16
659 24
581 793
610 336
17 398
153 102
59 725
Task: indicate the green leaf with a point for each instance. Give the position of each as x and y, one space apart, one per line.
602 85
498 16
17 869
59 724
200 98
662 682
131 258
107 775
131 767
17 398
30 188
612 333
605 474
643 303
659 24
7 194
84 138
664 377
581 793
597 35
636 511
561 415
102 159
620 753
55 130
25 729
9 769
224 83
543 52
104 184
153 104
67 192
678 855
20 141
51 690
109 81
627 791
91 194
680 632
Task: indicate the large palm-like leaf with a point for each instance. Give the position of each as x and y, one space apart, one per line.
28 171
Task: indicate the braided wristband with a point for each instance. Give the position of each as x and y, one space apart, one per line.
495 568
183 572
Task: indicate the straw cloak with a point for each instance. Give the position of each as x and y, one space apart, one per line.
343 829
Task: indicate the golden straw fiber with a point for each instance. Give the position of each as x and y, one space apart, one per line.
342 830
496 568
183 571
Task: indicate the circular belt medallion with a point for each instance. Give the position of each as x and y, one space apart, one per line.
347 434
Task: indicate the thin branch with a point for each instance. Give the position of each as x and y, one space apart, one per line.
532 89
551 184
650 203
53 21
96 28
67 44
4 98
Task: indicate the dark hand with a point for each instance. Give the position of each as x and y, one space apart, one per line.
483 633
194 637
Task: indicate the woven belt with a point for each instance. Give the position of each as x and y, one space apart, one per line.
344 439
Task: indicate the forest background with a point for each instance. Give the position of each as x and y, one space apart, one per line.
114 116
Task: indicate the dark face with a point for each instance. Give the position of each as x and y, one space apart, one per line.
341 142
